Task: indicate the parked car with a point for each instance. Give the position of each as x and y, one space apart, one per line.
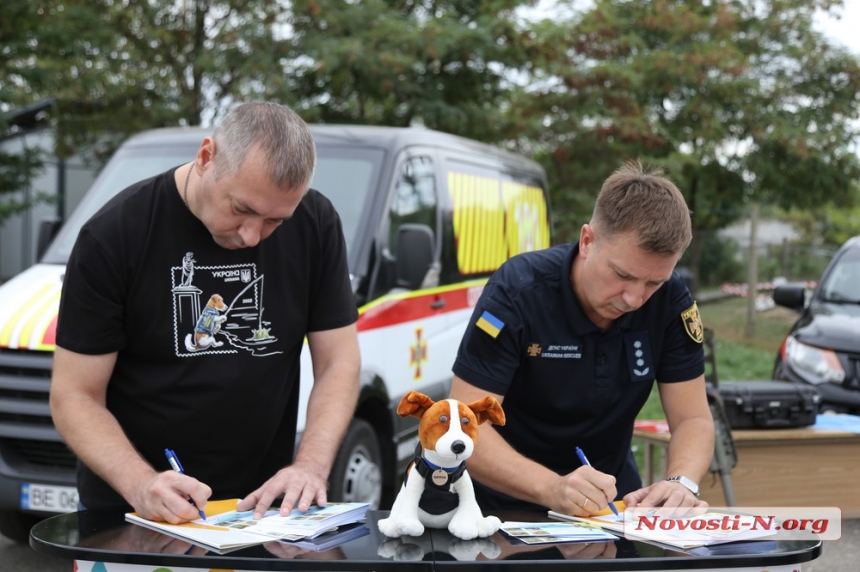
823 346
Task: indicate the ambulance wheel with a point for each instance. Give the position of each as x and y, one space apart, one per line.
356 475
16 525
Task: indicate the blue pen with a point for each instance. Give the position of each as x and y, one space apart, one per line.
177 466
584 461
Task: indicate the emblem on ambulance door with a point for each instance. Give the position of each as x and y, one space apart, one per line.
693 323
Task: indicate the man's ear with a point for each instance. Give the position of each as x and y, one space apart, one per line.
205 154
586 239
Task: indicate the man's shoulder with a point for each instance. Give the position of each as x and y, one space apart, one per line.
131 204
670 299
535 267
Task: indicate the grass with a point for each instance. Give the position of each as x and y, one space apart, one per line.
737 357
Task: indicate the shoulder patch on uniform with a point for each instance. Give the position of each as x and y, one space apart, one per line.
693 323
490 324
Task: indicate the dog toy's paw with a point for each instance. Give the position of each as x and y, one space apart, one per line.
388 527
410 528
396 528
465 530
488 526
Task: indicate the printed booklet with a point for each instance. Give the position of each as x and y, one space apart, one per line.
551 532
676 532
226 529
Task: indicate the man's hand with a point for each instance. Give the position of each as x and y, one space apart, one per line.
664 494
300 482
583 492
164 497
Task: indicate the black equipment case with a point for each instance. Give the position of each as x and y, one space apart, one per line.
769 404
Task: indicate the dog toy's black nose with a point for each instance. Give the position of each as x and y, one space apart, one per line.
458 447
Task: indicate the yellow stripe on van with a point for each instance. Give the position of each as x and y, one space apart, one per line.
26 312
494 220
42 317
527 227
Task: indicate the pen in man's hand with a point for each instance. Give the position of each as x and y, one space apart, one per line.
584 461
177 466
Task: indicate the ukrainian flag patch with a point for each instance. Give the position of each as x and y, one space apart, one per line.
490 324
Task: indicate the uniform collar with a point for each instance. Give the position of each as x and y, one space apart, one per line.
576 317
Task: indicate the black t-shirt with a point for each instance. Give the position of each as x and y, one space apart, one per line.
208 339
566 382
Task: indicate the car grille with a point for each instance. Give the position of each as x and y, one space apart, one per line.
29 443
852 375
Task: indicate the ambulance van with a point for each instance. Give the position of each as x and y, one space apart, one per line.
427 218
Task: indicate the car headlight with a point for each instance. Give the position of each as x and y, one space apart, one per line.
814 365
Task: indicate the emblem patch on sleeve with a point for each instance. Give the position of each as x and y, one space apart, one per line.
693 323
490 324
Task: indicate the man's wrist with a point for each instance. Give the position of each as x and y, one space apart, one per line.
687 482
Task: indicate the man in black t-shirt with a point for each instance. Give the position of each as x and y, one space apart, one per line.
185 307
571 340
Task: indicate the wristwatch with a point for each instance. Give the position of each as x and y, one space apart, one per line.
687 482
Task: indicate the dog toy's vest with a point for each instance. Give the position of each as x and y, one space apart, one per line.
206 321
437 497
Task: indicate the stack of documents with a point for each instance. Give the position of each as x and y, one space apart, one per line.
685 533
225 529
552 532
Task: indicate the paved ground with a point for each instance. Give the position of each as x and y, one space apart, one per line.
838 555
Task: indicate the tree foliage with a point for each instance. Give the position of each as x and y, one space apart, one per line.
443 64
741 100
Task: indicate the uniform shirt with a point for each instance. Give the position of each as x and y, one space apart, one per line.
208 339
565 381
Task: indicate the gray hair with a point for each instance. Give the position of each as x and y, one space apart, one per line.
278 131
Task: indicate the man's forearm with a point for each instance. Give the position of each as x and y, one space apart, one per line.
499 466
691 448
96 437
330 410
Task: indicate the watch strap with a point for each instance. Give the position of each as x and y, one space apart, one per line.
689 483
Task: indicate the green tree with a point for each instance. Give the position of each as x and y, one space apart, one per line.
116 67
16 169
446 64
741 100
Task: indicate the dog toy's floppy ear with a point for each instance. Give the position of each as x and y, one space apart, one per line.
488 409
414 404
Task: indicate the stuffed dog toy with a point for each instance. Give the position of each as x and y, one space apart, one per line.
437 491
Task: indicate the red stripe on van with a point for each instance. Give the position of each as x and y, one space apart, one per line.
411 308
50 337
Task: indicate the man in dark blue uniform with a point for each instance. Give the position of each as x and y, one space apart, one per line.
570 340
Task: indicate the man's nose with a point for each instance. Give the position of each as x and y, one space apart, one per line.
634 296
251 232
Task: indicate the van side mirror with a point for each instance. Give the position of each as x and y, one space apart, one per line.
48 228
790 296
415 253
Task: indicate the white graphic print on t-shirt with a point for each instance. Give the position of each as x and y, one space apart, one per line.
232 314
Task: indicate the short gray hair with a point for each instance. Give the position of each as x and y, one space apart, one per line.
278 131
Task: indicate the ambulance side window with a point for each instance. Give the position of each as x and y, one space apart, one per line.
414 198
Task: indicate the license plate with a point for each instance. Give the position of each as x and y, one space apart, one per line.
49 498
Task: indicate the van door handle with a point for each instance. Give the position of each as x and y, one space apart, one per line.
436 304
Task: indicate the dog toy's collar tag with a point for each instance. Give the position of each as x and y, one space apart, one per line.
440 477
